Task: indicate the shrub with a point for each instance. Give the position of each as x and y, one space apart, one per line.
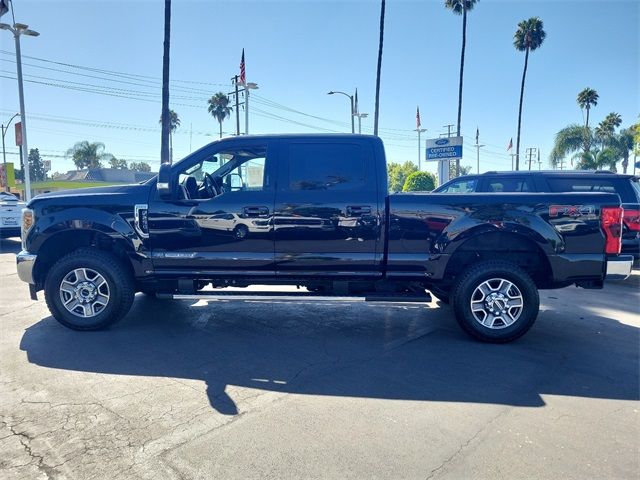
419 182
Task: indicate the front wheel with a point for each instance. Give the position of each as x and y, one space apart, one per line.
495 301
88 289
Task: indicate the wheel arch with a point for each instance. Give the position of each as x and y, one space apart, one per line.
508 246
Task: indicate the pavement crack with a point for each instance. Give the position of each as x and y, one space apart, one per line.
465 444
25 440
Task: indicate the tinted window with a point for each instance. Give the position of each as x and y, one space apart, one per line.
581 185
510 184
323 166
467 185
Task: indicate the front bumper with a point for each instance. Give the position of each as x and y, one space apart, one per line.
619 268
25 262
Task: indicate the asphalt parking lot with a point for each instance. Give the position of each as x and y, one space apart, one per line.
317 390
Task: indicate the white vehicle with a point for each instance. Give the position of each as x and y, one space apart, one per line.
10 215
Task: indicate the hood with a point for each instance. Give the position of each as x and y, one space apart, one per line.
83 195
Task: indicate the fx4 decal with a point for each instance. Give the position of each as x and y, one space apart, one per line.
571 210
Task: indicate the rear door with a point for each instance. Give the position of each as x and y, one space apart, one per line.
327 217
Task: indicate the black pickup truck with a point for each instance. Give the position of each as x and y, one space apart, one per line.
313 211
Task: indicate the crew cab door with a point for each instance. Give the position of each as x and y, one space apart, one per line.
220 218
327 213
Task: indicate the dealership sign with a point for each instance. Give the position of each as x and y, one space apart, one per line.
444 148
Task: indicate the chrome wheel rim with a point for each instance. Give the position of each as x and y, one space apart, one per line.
84 292
496 303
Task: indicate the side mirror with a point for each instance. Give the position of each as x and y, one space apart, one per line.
163 186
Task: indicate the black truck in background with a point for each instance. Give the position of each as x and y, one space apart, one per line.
313 211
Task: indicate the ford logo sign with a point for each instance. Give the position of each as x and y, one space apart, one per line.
442 141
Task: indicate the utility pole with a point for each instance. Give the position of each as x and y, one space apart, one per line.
448 127
512 157
190 137
539 161
420 130
530 152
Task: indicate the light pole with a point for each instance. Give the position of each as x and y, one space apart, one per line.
478 147
353 127
19 29
360 117
4 154
247 87
419 130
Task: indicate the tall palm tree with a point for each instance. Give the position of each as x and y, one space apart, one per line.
587 98
88 154
379 69
528 37
461 7
174 123
165 156
219 108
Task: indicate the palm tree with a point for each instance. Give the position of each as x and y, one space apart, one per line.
90 155
529 36
624 143
174 123
461 7
219 108
587 98
379 69
568 140
597 159
166 125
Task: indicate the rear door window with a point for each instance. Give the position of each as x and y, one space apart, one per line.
581 185
509 184
326 166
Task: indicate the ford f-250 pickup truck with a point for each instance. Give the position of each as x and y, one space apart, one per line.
313 211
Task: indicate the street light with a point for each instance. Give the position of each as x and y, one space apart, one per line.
4 154
353 128
360 117
17 30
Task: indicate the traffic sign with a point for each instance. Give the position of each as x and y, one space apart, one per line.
444 149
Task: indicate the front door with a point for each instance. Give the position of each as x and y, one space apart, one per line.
220 220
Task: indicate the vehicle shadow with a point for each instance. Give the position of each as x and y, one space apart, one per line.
10 245
354 350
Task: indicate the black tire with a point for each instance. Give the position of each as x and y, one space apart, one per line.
240 232
469 287
118 280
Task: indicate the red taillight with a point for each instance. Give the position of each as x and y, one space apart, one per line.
631 220
611 220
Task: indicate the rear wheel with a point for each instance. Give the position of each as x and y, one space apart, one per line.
88 290
495 301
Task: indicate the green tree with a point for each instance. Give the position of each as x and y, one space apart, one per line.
219 108
37 172
461 7
140 166
587 98
88 154
376 112
528 37
597 159
397 174
117 163
174 123
419 182
464 170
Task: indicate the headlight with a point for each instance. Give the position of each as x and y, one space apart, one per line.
28 219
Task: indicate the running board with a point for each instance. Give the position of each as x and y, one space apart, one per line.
289 296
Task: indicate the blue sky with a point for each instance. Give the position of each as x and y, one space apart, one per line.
299 50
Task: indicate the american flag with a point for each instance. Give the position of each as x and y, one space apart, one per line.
4 7
510 146
418 124
477 134
243 77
